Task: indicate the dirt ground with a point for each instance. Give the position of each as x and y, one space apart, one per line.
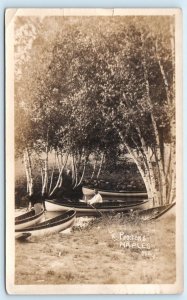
109 250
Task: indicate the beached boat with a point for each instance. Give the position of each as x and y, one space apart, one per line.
84 209
28 219
89 192
49 226
157 212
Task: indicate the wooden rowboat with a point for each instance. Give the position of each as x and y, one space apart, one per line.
88 192
49 226
156 212
97 209
28 219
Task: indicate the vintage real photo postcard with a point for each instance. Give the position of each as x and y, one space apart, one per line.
94 151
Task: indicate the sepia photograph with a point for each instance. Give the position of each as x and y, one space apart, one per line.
93 151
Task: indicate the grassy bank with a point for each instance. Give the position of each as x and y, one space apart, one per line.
108 250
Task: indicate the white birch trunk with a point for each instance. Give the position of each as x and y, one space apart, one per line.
45 180
73 170
83 172
42 177
170 181
59 180
51 180
144 173
27 172
171 176
94 168
101 164
156 133
29 169
154 178
76 175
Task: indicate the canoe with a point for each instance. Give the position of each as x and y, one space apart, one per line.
49 226
22 236
87 192
156 212
28 219
97 209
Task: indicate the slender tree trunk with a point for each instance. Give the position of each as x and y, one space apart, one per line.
42 176
145 168
144 172
77 163
147 165
166 86
94 168
73 169
156 181
59 180
29 171
171 103
83 172
101 164
51 180
58 160
171 176
45 180
27 187
155 131
76 175
147 174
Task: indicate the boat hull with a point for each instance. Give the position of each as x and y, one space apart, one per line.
28 221
157 212
48 227
88 193
51 205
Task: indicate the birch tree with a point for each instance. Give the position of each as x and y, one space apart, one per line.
128 86
101 82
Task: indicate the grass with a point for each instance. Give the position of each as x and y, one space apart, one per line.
93 255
